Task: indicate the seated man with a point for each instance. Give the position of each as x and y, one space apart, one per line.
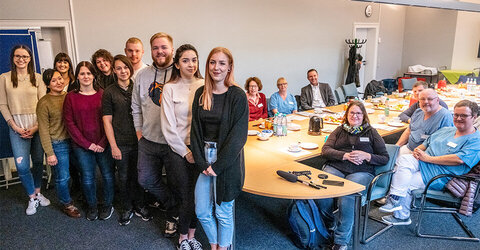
450 150
315 94
429 118
417 88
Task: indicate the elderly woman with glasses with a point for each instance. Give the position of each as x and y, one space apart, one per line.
352 151
257 102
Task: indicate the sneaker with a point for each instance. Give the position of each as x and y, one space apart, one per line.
184 245
43 200
194 244
32 206
92 213
106 212
143 213
339 247
170 229
390 219
71 211
391 205
125 217
158 205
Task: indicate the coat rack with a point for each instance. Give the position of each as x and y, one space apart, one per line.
355 42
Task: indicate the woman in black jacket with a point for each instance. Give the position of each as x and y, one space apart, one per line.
352 150
218 134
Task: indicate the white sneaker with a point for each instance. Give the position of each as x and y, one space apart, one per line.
32 206
43 200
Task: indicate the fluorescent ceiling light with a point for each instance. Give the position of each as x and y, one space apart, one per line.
466 5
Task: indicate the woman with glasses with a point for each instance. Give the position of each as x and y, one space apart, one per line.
20 90
282 101
352 150
257 102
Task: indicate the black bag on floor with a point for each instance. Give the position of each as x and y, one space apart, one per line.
306 223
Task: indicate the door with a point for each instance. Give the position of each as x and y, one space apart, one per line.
368 51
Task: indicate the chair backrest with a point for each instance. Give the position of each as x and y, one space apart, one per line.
339 95
350 90
299 106
392 150
407 84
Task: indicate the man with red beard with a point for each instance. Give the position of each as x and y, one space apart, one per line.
152 146
134 52
450 150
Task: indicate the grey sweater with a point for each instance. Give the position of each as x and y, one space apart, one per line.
146 113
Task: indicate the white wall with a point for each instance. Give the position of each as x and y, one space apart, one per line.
467 39
269 38
429 37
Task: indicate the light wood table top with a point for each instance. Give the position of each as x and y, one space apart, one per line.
264 158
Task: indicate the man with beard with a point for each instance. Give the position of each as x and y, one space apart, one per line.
152 146
429 118
134 52
450 150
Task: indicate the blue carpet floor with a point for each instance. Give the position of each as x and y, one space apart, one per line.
260 224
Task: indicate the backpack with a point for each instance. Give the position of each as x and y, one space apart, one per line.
309 230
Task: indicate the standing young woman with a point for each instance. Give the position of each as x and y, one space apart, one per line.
20 90
103 61
63 64
82 112
54 137
218 134
118 124
176 118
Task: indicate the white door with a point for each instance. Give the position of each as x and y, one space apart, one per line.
368 51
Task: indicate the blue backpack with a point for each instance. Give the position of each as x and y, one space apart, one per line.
309 231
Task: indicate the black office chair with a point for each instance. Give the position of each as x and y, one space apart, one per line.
299 106
447 204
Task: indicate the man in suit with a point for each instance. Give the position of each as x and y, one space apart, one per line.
315 94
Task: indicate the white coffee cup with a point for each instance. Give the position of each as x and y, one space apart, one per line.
382 118
294 147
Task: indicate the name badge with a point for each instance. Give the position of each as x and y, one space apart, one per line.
424 137
291 103
451 144
260 105
364 139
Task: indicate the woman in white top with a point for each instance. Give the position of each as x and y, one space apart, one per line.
176 116
20 90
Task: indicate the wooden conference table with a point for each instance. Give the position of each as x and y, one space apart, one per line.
264 158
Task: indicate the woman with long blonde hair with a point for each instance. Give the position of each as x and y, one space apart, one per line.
218 134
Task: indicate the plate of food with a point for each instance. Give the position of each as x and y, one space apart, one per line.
329 119
253 132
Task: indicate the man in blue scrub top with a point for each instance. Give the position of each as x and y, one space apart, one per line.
450 150
281 101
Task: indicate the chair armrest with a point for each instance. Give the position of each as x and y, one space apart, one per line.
374 182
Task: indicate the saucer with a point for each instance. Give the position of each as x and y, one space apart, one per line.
253 132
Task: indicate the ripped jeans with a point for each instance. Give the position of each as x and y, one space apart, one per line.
22 150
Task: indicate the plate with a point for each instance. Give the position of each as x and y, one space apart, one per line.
294 150
308 145
327 130
395 124
294 127
253 132
370 111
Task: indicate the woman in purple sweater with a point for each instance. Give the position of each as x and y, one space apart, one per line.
83 118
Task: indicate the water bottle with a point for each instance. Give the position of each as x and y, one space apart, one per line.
387 107
275 124
284 125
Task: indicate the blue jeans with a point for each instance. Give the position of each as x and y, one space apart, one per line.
62 173
205 197
88 160
22 150
346 205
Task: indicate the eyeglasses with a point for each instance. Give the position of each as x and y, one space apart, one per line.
358 114
463 116
427 99
281 84
21 57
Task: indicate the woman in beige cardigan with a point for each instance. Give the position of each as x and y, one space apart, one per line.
20 90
